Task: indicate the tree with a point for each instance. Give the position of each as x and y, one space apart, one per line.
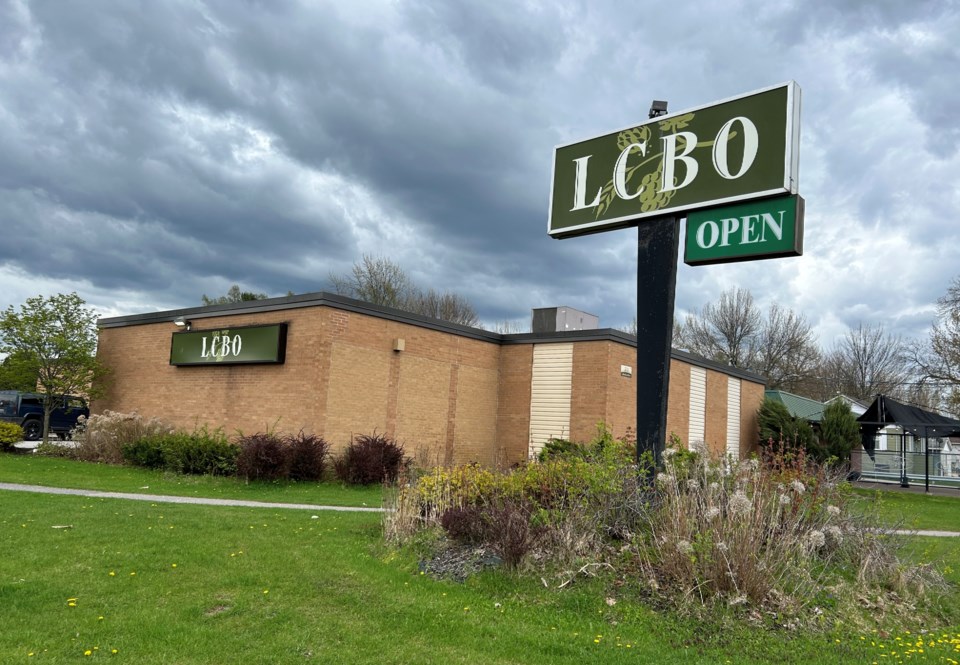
938 359
726 331
866 362
839 431
376 280
18 371
234 295
778 426
380 281
59 334
779 345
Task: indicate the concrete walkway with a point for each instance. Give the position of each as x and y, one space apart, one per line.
160 498
202 501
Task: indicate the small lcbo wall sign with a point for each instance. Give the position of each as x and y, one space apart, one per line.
230 346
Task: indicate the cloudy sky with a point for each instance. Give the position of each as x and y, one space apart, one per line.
151 152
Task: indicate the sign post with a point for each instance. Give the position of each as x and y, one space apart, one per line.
739 151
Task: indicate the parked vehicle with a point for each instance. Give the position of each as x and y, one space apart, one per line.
26 410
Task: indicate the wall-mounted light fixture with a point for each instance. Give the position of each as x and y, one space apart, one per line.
181 322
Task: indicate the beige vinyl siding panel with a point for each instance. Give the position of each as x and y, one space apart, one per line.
551 389
698 408
733 417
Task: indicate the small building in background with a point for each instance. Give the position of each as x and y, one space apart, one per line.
562 319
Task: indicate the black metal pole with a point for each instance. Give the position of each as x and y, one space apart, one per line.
926 456
657 243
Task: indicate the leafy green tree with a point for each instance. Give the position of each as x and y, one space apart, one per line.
18 371
59 335
233 295
839 431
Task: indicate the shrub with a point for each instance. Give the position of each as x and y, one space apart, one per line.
10 433
564 507
765 534
308 456
776 424
201 452
197 452
146 452
262 457
465 524
101 437
371 459
560 448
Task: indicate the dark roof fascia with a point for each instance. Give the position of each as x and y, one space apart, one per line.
706 363
318 299
322 298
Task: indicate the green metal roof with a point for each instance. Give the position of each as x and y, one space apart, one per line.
799 407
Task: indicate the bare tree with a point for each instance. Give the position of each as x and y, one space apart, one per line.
380 281
779 345
937 360
446 306
727 331
868 361
376 280
787 353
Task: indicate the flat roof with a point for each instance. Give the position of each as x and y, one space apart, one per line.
325 299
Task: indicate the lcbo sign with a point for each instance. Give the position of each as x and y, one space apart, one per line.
230 346
738 149
730 167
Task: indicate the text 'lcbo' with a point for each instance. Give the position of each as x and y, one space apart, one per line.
670 157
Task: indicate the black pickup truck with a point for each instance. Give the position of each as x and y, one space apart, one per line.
26 410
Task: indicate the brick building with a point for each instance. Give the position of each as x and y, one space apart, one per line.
449 393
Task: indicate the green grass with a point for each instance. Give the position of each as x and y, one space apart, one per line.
913 511
201 584
59 472
333 592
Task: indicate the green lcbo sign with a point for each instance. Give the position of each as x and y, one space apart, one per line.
768 228
245 345
734 150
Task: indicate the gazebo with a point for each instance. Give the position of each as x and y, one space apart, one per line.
912 421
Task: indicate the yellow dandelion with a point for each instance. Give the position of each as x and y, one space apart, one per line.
112 574
173 565
266 591
113 651
88 653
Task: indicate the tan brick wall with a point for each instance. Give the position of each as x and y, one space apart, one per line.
358 392
336 381
751 395
678 402
588 398
475 434
621 413
446 398
715 433
513 412
245 397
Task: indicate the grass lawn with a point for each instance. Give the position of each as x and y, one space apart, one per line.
913 511
196 584
59 472
202 584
